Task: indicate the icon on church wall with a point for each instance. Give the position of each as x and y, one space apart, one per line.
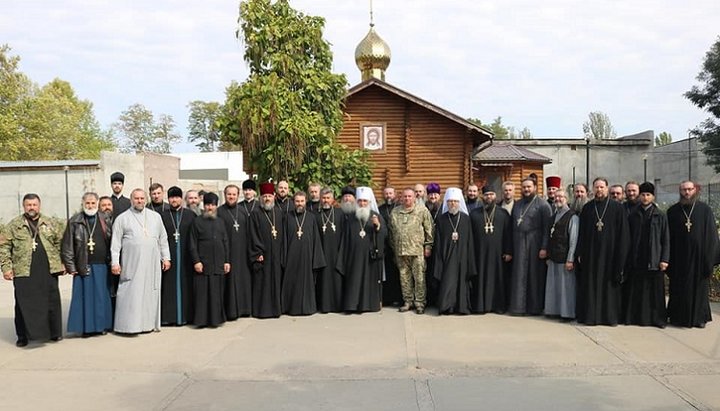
373 137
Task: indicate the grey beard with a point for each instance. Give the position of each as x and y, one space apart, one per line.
267 206
454 210
362 214
348 207
210 215
578 205
90 212
139 207
326 206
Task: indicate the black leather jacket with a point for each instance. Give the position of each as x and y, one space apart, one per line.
74 252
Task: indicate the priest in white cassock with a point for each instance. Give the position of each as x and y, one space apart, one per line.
141 237
453 262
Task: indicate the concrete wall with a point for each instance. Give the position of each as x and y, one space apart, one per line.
618 160
672 162
232 161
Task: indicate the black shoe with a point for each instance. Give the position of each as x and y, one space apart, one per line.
56 339
701 325
420 310
21 342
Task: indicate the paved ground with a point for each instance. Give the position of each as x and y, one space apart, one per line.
378 361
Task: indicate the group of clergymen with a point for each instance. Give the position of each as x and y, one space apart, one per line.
140 264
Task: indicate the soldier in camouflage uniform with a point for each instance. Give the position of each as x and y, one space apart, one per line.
412 229
30 257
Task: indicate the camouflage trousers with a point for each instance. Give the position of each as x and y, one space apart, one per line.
412 279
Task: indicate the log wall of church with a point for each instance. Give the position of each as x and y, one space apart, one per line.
420 145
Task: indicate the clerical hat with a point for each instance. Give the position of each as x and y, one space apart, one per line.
267 188
348 190
249 185
117 176
433 188
488 189
174 191
553 181
210 198
647 187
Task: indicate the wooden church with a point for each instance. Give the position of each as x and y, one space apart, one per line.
410 140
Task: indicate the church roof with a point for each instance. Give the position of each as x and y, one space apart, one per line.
375 82
509 152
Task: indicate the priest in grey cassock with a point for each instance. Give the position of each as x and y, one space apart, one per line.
603 245
492 235
531 229
303 259
560 285
139 234
330 220
454 264
235 215
694 251
176 288
267 224
360 259
210 253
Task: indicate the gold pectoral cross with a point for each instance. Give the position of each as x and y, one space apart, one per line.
91 246
177 236
299 233
599 225
688 224
34 245
274 232
455 236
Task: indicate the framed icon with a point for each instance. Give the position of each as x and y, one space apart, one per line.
372 137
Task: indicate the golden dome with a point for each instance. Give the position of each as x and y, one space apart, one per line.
372 56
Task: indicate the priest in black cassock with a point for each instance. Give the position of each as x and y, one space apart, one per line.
531 234
361 255
303 259
266 252
210 254
603 245
644 288
694 251
176 287
119 201
238 283
313 201
454 265
492 236
328 285
282 198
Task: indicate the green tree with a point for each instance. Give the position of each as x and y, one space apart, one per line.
202 126
45 123
598 126
663 139
288 112
140 132
503 132
707 97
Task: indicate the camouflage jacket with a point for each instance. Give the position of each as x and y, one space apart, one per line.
412 230
16 244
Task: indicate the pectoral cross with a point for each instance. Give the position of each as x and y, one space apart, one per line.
492 228
273 232
299 233
487 228
688 224
362 233
236 226
599 225
455 236
519 221
332 225
552 230
177 236
91 246
324 228
34 245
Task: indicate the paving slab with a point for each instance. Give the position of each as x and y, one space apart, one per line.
377 395
704 389
550 394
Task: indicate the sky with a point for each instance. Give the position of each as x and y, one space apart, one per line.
543 65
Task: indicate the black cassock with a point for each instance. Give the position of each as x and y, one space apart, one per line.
391 292
362 275
303 259
209 245
489 287
266 275
176 294
693 255
238 283
644 287
329 282
602 256
453 263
